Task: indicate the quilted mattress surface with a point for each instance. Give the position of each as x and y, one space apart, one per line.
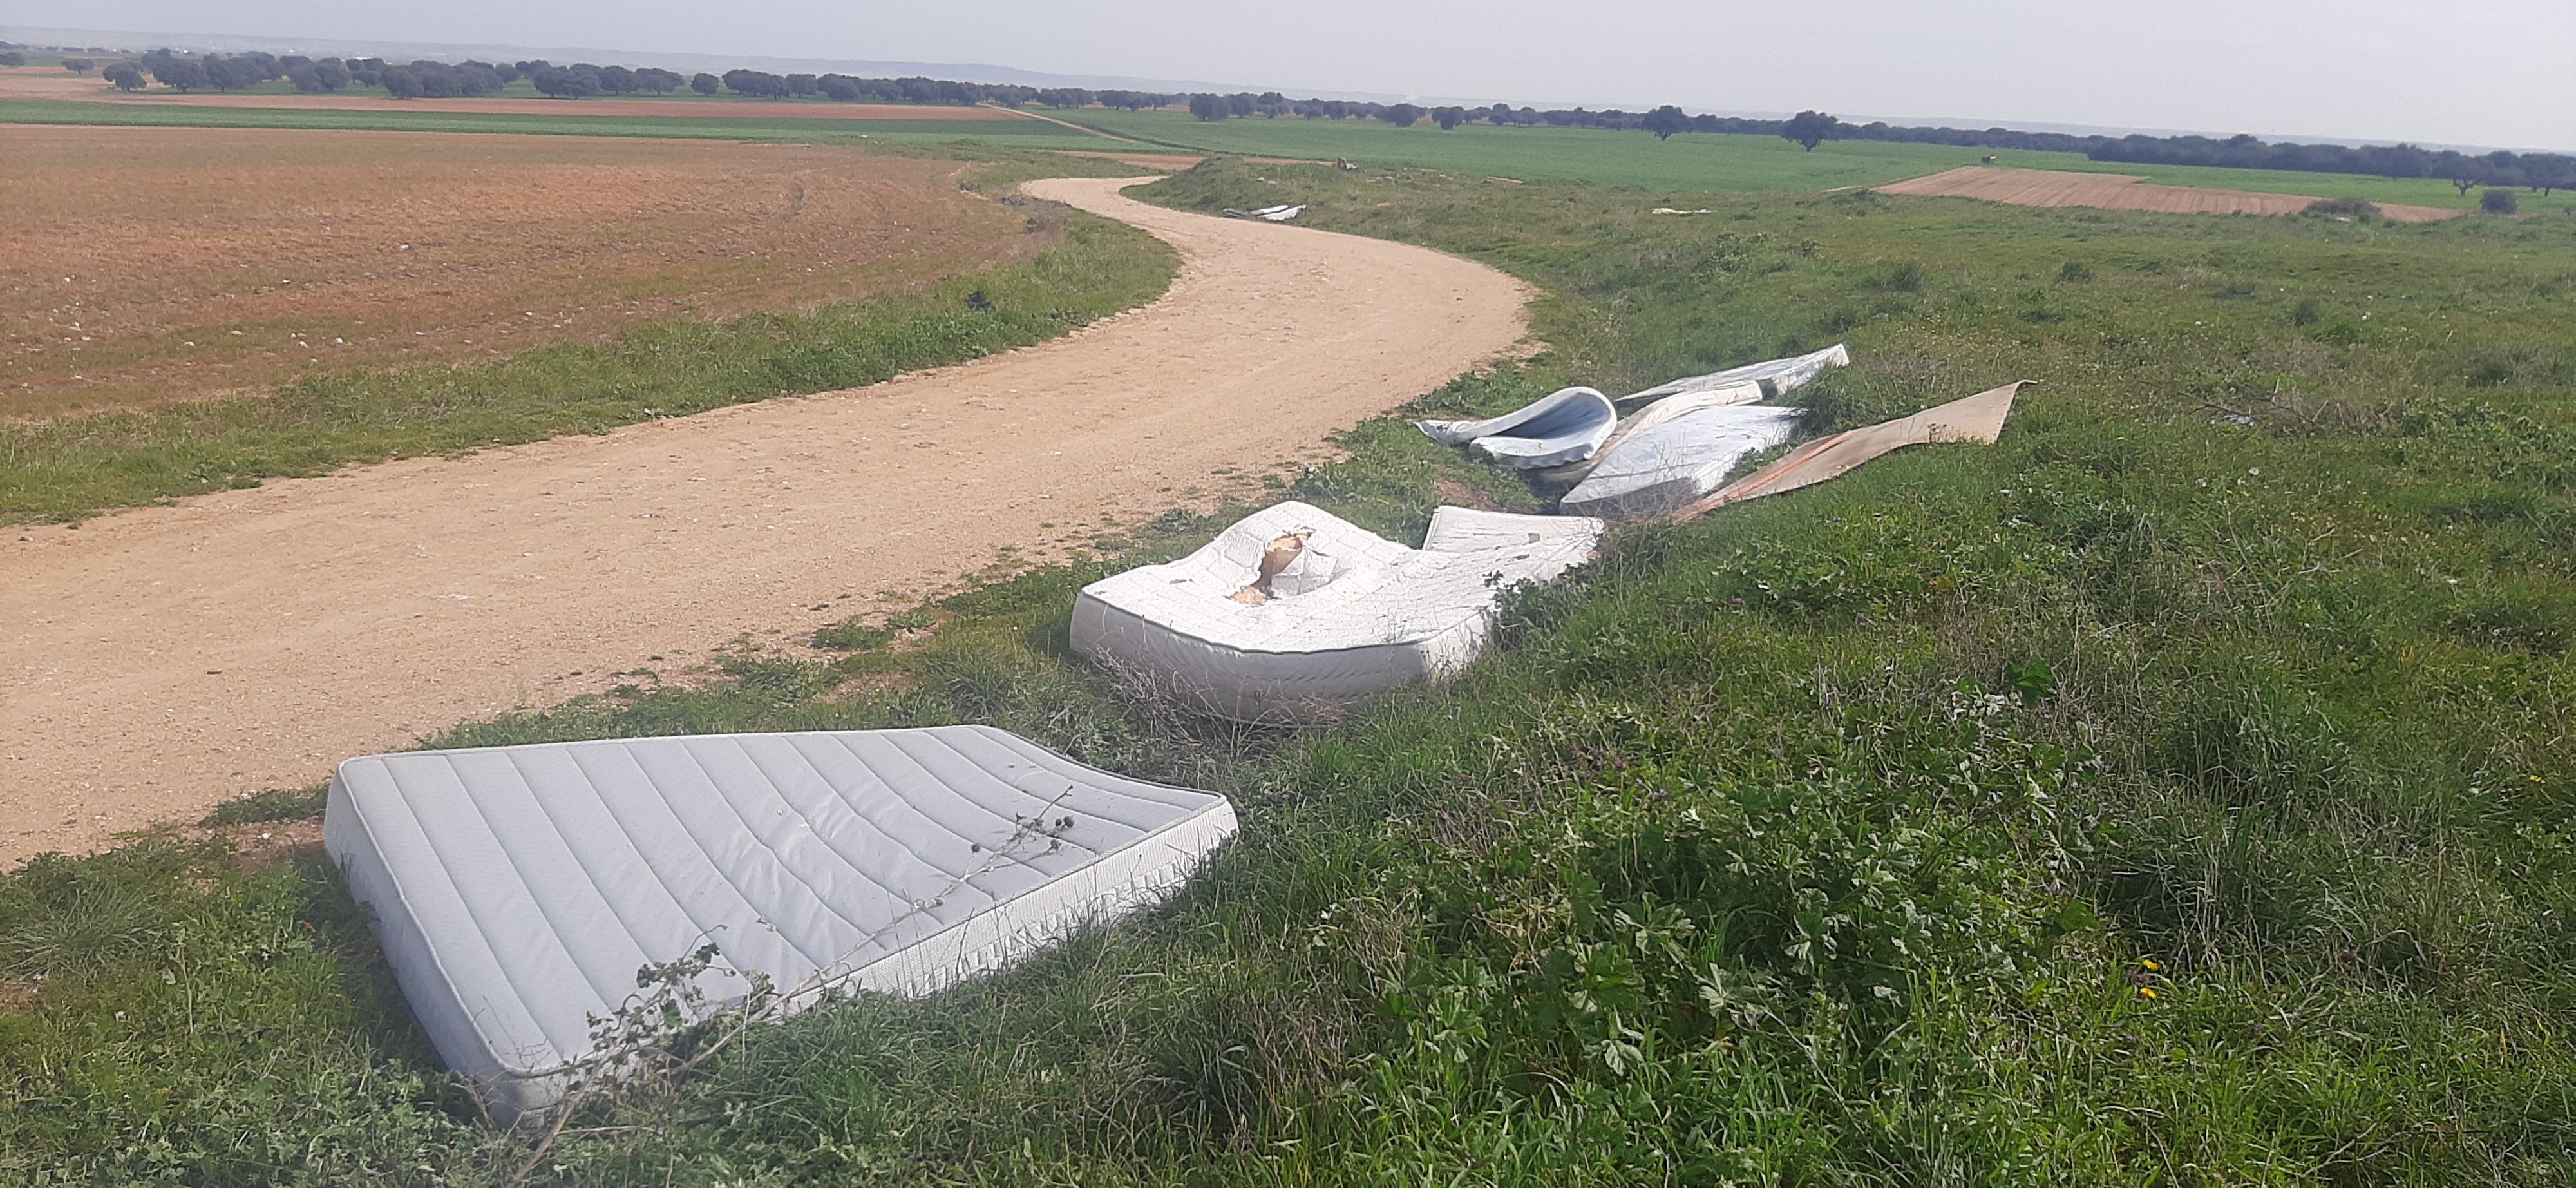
519 890
1353 615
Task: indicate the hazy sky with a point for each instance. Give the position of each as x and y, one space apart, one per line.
2498 72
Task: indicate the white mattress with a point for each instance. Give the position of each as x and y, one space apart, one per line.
1647 418
1775 375
518 890
1563 426
1678 460
1355 613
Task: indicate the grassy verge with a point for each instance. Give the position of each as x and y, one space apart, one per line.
2176 793
69 468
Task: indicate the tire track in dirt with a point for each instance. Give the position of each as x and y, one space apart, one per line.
156 662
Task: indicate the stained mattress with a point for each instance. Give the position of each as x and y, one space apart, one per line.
1352 614
518 891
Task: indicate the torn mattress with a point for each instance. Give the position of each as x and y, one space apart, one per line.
1775 375
1648 418
1564 426
518 891
1677 460
1293 613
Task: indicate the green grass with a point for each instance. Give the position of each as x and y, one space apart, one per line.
1561 154
749 125
2176 793
1694 161
69 468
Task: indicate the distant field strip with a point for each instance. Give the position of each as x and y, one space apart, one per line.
2115 191
1692 161
687 109
515 100
574 120
1698 161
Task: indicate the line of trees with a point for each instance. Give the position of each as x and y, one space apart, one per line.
582 80
843 88
428 79
423 79
2539 171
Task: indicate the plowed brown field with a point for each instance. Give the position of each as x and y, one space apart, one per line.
145 265
2121 191
32 83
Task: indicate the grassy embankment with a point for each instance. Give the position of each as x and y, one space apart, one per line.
66 468
2176 793
1696 161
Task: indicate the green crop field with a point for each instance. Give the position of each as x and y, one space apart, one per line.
1688 162
2177 793
1693 161
749 125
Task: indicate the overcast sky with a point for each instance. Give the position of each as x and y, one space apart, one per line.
2495 72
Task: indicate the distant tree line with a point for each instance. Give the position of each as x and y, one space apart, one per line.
422 79
843 88
2539 171
581 80
428 79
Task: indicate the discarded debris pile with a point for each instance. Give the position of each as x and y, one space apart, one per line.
1676 449
1564 426
1777 376
1672 463
1671 458
522 894
1648 418
1978 419
1277 214
1293 613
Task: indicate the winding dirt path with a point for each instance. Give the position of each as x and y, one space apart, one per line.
156 662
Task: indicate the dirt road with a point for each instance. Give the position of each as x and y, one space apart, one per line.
155 662
2122 191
